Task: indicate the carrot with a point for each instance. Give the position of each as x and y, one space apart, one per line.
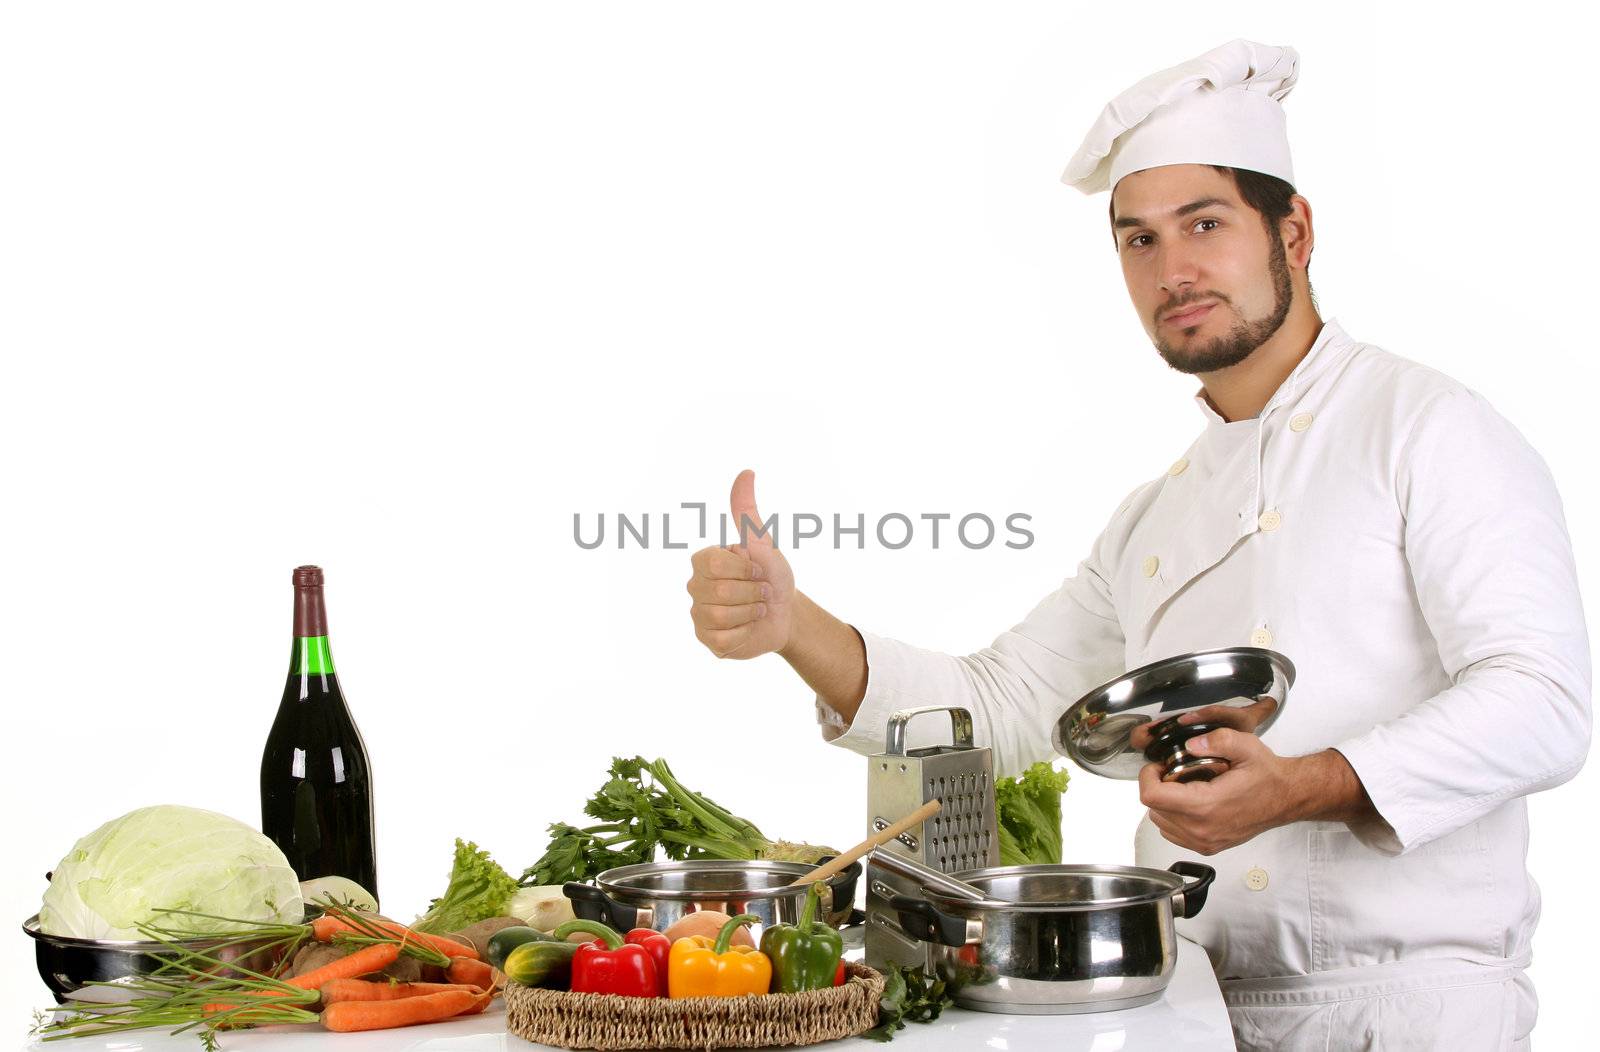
348 1016
336 990
469 972
367 959
484 997
325 927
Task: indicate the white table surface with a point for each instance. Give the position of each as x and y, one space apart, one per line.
1189 1017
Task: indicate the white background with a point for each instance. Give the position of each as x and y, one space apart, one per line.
398 290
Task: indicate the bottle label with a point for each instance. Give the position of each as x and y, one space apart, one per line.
312 657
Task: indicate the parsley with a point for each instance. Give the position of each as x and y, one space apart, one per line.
907 994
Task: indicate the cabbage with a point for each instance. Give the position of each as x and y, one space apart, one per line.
168 857
337 891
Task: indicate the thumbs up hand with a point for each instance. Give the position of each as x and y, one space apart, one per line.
744 593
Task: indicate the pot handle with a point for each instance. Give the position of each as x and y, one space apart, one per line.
1193 896
590 903
842 885
920 920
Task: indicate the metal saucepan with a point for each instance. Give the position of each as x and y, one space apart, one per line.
1057 939
69 965
655 894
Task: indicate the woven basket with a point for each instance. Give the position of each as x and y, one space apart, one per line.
607 1021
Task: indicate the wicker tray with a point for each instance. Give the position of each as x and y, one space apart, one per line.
607 1021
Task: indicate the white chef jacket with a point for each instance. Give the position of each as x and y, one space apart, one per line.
1385 528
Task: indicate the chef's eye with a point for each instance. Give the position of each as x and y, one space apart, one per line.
1133 242
1213 221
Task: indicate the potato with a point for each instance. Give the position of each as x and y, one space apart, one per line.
477 935
707 923
405 970
314 955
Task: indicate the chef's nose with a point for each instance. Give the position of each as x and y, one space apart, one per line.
1177 266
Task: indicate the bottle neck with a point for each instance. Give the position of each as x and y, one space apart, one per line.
310 615
311 655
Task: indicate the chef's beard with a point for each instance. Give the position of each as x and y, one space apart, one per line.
1246 336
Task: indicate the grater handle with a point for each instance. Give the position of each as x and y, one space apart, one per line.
960 727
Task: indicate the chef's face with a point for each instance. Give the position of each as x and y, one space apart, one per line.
1209 281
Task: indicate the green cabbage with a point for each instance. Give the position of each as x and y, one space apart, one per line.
168 857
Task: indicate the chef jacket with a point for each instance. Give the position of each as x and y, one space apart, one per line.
1402 543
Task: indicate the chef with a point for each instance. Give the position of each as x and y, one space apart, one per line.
1368 516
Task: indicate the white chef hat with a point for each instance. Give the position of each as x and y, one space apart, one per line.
1221 108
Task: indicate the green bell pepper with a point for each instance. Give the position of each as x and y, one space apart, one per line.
804 955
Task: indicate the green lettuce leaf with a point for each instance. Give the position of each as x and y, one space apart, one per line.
478 889
1029 813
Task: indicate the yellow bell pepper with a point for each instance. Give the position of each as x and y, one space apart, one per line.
700 967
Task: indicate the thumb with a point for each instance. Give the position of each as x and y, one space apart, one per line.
746 519
1226 743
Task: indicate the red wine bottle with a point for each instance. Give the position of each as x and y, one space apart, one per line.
316 782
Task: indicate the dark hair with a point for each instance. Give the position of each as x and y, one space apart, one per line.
1267 194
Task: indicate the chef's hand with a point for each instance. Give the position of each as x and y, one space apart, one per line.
1259 791
744 593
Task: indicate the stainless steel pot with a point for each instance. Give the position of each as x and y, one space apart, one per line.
1057 939
655 894
69 965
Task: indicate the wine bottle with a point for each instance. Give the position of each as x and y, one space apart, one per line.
316 782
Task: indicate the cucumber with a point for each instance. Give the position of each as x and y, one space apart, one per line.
539 963
502 942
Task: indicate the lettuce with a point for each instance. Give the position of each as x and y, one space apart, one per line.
479 889
1028 810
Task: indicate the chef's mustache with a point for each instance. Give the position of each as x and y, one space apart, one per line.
894 531
1198 297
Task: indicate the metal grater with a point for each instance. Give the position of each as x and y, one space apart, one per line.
961 836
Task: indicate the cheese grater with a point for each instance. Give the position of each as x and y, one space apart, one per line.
961 836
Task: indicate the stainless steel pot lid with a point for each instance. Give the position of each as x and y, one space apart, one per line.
1117 728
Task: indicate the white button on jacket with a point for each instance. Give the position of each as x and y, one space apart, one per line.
1418 572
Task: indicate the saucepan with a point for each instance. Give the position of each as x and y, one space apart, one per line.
69 966
655 894
1055 939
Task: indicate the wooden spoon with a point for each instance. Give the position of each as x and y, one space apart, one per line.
882 836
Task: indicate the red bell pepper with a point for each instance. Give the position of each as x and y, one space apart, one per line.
658 946
608 965
838 973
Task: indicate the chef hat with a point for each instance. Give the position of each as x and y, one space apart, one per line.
1221 108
